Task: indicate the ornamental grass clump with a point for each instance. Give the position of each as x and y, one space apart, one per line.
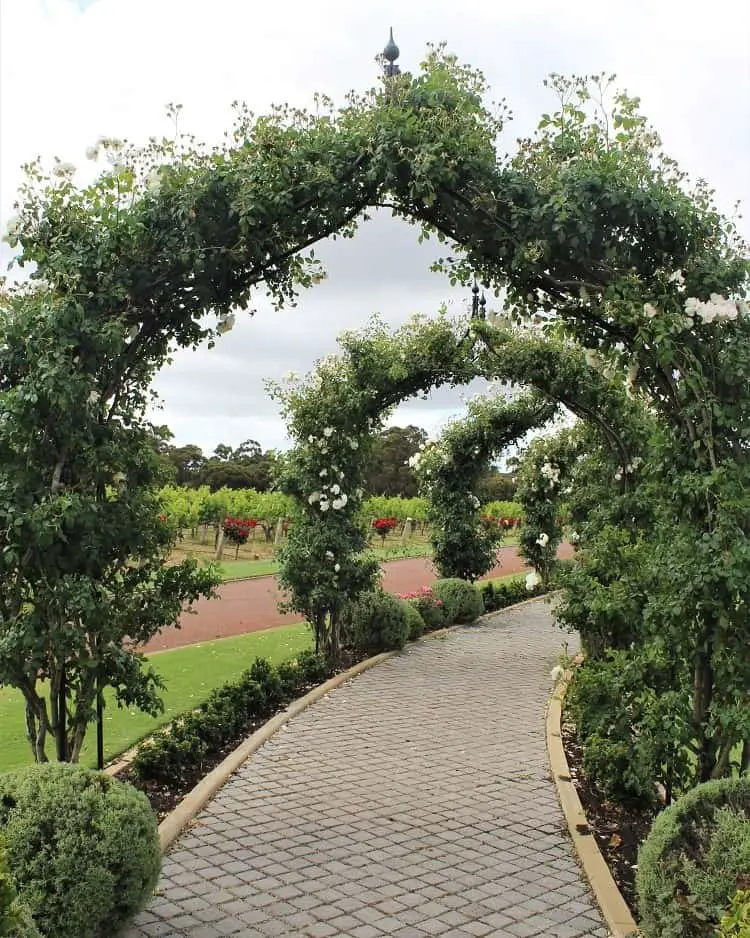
83 848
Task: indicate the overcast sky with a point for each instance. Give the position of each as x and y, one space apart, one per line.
72 70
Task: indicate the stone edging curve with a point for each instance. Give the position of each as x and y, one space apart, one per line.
608 897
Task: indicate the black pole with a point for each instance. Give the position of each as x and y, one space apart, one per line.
99 724
62 713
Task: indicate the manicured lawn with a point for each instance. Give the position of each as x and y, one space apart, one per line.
239 569
189 673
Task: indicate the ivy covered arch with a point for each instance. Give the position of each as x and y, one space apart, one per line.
450 470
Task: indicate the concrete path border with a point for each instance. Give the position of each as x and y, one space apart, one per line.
609 898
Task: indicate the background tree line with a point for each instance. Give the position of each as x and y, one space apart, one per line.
249 466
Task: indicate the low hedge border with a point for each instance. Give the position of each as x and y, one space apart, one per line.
613 907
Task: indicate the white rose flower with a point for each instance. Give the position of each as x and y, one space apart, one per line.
324 506
311 439
650 310
337 567
226 324
532 581
335 488
323 473
13 226
618 475
543 539
575 537
315 497
92 153
354 444
340 502
329 555
341 475
62 170
328 432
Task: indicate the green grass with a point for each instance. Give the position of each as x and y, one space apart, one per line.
190 673
239 569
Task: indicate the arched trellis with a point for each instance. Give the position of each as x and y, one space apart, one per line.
595 228
450 469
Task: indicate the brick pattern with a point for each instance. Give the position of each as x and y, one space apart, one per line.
413 801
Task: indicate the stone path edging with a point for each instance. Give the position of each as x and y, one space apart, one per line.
608 897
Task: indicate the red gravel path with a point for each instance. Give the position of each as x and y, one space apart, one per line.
251 605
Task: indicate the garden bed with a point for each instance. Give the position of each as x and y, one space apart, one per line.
618 831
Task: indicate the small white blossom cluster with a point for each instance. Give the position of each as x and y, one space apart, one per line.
543 539
716 308
630 468
575 537
414 461
226 323
550 473
532 581
475 503
331 556
63 170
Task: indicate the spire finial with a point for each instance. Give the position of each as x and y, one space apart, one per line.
390 54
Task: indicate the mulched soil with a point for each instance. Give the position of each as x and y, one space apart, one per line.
619 831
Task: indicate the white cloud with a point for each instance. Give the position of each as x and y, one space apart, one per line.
72 71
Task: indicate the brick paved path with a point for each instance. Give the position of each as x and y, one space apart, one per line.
414 800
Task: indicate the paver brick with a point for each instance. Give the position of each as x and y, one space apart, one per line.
413 801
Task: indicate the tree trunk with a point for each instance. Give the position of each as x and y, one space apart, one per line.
702 697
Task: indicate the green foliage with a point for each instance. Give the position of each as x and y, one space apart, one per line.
430 608
462 602
389 471
375 622
178 754
501 593
694 859
83 848
414 621
632 715
736 921
450 470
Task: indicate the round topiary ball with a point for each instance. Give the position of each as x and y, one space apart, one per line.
414 620
462 601
83 848
376 622
693 860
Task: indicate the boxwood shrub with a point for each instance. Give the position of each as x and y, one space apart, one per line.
83 849
376 622
462 601
414 620
694 860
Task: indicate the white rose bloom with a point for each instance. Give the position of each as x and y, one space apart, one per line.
354 444
618 475
315 497
329 555
324 506
575 537
335 488
341 475
328 432
311 439
543 539
532 581
14 225
337 567
677 278
323 473
650 310
92 153
359 493
63 169
340 502
226 324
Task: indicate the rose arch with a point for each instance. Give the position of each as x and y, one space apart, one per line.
586 223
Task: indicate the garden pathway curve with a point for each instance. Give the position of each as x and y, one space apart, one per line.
414 800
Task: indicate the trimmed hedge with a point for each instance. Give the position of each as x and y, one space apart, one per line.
414 620
694 860
462 601
376 622
83 849
179 753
